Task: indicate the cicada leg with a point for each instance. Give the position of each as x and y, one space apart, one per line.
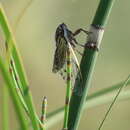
78 31
89 45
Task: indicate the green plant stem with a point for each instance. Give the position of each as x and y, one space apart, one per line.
68 90
5 109
43 115
15 77
19 67
87 66
13 94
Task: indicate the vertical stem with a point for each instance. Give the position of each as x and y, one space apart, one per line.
88 63
43 115
68 90
5 109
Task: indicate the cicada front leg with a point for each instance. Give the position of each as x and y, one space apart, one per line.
77 32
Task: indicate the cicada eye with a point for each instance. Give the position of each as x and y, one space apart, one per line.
60 30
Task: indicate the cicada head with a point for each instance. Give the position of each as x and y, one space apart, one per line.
60 32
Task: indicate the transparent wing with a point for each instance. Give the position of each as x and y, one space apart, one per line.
62 72
75 67
75 59
74 72
73 54
77 75
70 47
60 55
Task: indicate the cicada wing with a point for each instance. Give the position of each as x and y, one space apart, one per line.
74 55
77 75
60 55
75 59
76 70
63 73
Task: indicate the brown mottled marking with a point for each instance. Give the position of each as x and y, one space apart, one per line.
67 101
68 78
10 70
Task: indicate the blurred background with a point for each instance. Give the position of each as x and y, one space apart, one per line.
35 40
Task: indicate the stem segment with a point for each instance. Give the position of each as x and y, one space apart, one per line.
43 115
68 89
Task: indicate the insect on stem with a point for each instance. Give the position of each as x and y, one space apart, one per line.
65 46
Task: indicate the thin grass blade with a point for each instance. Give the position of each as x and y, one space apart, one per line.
113 102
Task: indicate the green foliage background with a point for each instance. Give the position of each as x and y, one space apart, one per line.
35 39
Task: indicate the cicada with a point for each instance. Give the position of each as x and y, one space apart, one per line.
65 39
